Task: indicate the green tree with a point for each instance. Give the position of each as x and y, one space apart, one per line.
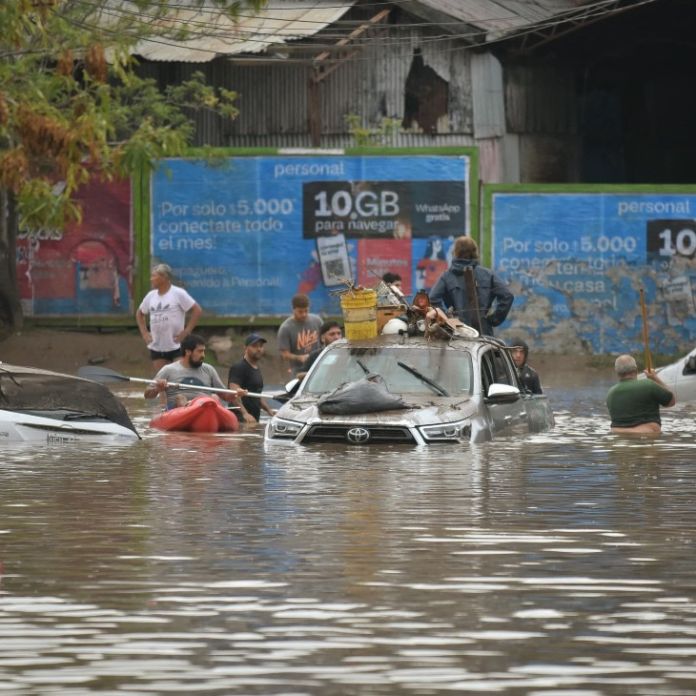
72 103
367 136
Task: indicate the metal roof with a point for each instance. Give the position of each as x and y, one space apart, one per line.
500 18
212 33
501 15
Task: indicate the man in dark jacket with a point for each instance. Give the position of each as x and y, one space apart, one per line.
478 297
529 379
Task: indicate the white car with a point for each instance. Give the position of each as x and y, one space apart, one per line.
680 377
464 389
49 408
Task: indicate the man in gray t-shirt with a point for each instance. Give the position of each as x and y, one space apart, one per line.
188 369
298 335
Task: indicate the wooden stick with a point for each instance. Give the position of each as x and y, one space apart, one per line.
472 296
646 338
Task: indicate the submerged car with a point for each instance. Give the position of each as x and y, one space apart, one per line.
680 377
463 389
44 407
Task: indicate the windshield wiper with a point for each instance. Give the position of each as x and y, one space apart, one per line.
362 367
416 373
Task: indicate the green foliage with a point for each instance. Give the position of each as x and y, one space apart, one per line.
72 102
366 136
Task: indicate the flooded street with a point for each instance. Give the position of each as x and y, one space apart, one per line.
563 563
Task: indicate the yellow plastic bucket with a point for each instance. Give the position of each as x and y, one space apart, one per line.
359 309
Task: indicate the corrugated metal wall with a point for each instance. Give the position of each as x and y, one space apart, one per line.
488 96
344 140
540 99
541 108
489 104
273 98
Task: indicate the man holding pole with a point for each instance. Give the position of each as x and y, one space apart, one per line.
189 369
634 404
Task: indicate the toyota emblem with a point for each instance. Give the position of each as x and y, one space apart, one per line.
358 436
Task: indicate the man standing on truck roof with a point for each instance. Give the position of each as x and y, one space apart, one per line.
479 298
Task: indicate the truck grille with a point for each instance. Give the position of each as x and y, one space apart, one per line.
339 433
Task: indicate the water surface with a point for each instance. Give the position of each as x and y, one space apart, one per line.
558 564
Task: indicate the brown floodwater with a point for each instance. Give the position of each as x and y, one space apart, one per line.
562 563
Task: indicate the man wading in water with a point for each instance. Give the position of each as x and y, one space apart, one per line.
519 352
191 369
245 375
634 404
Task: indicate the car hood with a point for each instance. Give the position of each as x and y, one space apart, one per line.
425 410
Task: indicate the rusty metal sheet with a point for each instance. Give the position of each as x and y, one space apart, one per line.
212 33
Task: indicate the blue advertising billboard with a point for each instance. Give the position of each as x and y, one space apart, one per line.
243 234
577 260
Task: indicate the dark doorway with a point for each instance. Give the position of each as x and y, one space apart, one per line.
426 96
636 101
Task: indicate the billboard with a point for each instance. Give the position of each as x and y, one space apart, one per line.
577 259
243 234
87 268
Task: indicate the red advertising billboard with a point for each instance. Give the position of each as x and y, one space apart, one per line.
86 268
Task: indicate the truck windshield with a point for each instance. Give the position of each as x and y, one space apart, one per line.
450 368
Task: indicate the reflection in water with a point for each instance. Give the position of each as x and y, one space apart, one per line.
560 564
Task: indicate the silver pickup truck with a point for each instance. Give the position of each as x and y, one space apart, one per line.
411 390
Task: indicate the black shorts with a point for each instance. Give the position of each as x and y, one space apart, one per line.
169 355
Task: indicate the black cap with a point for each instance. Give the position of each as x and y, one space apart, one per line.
254 338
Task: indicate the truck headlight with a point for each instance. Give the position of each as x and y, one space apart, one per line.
456 430
284 429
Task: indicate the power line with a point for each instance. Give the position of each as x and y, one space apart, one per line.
472 36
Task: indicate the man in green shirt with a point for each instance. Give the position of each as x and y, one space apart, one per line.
634 404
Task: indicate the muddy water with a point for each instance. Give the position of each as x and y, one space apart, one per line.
560 564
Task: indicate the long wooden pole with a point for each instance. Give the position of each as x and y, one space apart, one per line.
646 338
472 295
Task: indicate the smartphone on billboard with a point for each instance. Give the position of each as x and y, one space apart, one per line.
334 261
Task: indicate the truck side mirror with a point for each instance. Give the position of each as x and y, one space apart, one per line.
502 394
